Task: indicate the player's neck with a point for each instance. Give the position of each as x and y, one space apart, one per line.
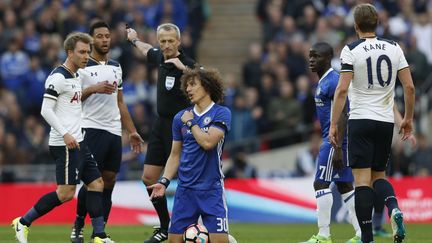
70 66
323 71
98 56
203 104
364 35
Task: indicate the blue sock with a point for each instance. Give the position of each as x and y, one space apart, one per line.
384 189
45 204
93 203
377 218
107 203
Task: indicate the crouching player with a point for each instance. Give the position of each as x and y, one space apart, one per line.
198 137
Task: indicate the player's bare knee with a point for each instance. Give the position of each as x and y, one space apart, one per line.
319 185
344 187
149 179
218 238
96 185
65 193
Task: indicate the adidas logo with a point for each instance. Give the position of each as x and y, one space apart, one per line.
336 176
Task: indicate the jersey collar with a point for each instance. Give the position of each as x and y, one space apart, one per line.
205 111
325 74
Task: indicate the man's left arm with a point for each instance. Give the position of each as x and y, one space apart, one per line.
135 139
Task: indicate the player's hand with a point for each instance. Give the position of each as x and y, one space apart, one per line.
413 140
337 160
70 142
187 115
177 63
104 87
406 128
158 190
131 34
334 136
135 142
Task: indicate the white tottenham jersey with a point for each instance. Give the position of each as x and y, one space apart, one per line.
65 87
101 111
375 63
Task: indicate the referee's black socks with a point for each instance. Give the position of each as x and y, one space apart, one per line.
364 202
385 191
161 207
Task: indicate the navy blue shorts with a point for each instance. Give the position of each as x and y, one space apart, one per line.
325 171
159 142
73 165
369 143
105 147
189 204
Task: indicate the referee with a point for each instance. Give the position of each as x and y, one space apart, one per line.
171 63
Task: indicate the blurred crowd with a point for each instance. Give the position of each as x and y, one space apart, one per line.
273 99
31 39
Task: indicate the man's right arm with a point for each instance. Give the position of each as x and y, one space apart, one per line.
132 36
409 97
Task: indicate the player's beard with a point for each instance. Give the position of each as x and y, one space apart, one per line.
101 51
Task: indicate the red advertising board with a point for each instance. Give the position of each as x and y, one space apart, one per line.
415 198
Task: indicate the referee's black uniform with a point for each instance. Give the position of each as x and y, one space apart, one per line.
170 100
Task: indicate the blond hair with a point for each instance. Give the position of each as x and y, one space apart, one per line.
73 38
366 17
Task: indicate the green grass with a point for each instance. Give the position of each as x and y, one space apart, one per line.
244 233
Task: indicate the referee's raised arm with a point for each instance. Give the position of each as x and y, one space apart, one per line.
132 36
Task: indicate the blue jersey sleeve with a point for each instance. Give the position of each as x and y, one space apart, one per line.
177 127
331 87
222 119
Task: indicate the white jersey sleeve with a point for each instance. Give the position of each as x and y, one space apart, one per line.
347 60
54 86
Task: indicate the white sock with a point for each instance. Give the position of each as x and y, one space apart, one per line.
348 199
324 199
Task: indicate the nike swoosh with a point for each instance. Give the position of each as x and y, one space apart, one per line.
17 228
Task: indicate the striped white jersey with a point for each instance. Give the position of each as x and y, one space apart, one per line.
101 111
375 63
64 86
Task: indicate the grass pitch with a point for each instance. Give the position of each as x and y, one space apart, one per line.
244 233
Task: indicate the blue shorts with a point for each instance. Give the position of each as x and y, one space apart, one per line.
325 171
189 204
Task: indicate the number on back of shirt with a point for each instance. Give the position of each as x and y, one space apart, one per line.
382 69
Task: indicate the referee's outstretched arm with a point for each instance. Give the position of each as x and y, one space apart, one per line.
132 36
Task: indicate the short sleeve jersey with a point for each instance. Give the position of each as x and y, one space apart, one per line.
63 86
375 63
324 95
101 111
170 98
201 169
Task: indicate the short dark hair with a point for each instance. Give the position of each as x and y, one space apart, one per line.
210 80
324 48
98 24
366 17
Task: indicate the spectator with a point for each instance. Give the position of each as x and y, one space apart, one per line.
306 158
422 158
241 168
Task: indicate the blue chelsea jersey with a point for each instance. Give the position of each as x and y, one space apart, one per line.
324 100
201 169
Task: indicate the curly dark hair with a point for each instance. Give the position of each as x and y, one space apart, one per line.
210 80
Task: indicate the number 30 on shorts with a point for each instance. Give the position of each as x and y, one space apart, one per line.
222 224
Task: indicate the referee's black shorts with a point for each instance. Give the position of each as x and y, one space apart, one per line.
159 143
369 143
